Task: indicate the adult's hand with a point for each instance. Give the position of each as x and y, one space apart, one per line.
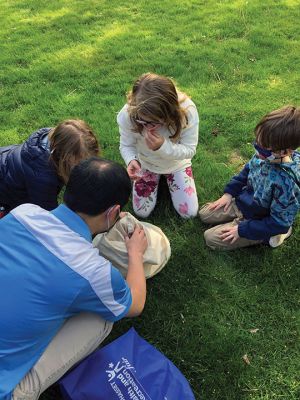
133 168
153 139
137 243
223 201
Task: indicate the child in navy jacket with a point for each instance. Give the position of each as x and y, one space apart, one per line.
260 204
35 171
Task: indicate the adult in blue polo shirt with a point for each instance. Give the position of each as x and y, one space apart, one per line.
58 296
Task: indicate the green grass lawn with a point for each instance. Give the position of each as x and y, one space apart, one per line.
238 60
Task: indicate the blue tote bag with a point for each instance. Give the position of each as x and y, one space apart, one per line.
129 368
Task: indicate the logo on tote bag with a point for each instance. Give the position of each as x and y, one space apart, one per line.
124 383
124 364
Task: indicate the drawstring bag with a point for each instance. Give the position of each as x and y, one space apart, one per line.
129 368
111 245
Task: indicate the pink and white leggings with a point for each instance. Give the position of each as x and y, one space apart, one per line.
181 186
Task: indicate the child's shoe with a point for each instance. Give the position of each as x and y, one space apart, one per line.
277 240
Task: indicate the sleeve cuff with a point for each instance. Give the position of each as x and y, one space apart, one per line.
115 318
242 229
228 191
129 159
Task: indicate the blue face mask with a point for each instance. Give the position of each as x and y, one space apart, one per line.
264 153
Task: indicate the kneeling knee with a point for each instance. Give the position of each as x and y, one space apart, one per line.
188 215
186 211
142 213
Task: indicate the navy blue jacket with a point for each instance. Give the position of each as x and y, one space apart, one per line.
27 175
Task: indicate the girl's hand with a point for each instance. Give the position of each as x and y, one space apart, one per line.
136 244
223 201
153 139
132 168
230 234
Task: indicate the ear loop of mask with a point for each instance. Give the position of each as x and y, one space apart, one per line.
107 218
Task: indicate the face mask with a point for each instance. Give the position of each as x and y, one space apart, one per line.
107 219
264 153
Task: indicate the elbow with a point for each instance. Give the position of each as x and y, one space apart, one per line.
137 307
137 311
191 151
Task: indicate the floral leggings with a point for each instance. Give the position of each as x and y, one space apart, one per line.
181 186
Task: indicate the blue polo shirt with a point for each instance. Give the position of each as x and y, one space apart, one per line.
49 271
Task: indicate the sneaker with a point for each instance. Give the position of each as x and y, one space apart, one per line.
277 240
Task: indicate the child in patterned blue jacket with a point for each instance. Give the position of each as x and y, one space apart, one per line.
260 204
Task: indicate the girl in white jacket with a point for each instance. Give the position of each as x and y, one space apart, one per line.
159 136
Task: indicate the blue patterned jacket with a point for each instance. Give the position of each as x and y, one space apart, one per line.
268 195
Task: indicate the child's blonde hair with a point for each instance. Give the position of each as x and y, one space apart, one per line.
156 97
71 141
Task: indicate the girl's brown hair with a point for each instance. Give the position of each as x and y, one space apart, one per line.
70 142
156 97
280 129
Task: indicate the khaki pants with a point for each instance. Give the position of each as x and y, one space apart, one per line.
222 220
78 337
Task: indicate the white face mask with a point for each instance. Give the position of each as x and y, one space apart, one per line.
107 219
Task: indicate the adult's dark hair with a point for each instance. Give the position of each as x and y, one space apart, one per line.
95 185
280 129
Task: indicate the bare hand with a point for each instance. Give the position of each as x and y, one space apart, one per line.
132 168
153 139
223 201
137 243
230 234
